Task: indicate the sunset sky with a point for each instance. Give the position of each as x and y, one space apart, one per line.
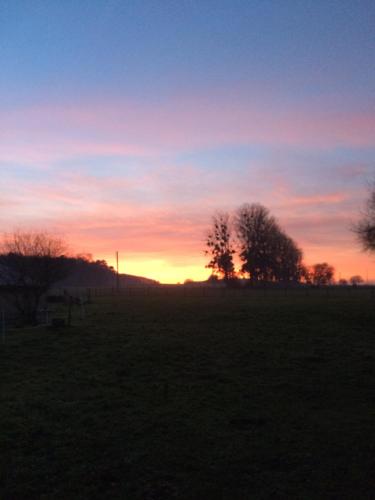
124 125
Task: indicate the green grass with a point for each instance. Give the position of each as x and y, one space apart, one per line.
238 396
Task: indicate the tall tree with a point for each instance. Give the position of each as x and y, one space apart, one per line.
365 228
255 229
220 246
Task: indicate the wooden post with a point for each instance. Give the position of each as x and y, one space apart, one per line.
117 275
2 322
82 308
70 311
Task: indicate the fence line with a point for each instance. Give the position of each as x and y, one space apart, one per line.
207 291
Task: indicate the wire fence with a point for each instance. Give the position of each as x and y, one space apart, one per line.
91 293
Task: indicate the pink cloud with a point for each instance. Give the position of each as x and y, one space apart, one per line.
141 129
313 200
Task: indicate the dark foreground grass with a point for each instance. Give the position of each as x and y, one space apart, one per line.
157 398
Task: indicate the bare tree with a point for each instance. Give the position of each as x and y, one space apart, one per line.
30 263
365 228
220 247
322 274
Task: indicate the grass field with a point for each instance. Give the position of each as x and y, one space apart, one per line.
238 396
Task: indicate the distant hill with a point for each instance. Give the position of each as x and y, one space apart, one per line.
98 274
130 280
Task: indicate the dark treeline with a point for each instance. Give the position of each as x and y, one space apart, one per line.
266 253
32 263
62 271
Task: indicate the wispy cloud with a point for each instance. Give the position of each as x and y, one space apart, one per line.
47 133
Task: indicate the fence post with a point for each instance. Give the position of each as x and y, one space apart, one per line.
2 322
83 313
70 311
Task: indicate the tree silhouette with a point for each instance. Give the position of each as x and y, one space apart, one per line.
287 265
267 253
255 232
220 247
356 280
30 263
322 274
365 228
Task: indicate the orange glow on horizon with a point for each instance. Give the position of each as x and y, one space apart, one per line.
160 270
166 272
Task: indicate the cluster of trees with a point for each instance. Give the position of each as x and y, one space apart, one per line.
30 263
353 280
266 252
